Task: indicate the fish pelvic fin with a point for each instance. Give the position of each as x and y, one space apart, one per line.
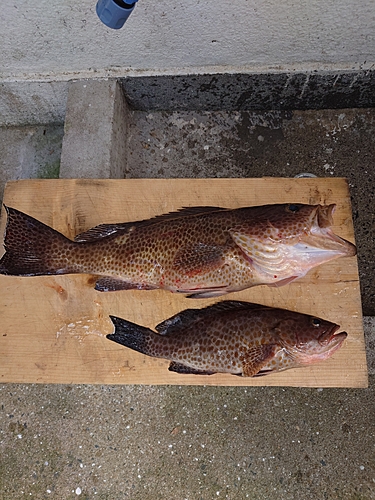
209 294
256 358
32 248
130 335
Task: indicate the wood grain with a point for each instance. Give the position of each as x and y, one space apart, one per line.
53 328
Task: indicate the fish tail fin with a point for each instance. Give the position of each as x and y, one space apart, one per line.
33 248
130 335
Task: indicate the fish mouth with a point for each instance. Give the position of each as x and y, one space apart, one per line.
324 214
332 340
321 238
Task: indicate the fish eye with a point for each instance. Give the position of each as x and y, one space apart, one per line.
294 208
315 321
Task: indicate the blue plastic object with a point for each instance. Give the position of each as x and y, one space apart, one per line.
114 13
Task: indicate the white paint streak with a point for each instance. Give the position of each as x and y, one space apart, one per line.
305 86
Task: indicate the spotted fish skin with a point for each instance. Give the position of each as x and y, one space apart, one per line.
203 251
233 337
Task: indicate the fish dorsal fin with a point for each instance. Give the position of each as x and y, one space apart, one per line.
104 230
191 316
187 211
179 320
230 305
180 213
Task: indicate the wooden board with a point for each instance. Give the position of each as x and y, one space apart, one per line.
53 328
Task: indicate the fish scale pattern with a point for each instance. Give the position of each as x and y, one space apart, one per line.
203 251
235 337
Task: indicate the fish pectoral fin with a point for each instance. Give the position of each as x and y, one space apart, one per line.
257 357
109 284
198 258
180 368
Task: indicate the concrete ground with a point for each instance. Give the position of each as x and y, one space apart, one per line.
146 443
201 443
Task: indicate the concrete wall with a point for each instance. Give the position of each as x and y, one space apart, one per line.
55 41
57 37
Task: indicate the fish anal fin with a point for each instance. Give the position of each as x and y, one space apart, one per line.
183 369
257 357
109 284
198 258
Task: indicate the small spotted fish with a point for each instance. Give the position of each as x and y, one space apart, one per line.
202 251
233 337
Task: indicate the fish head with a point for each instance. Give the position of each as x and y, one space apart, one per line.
308 339
290 239
309 226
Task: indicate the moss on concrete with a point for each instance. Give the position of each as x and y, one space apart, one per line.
49 171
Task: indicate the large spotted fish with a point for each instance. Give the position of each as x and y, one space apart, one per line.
203 251
233 337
